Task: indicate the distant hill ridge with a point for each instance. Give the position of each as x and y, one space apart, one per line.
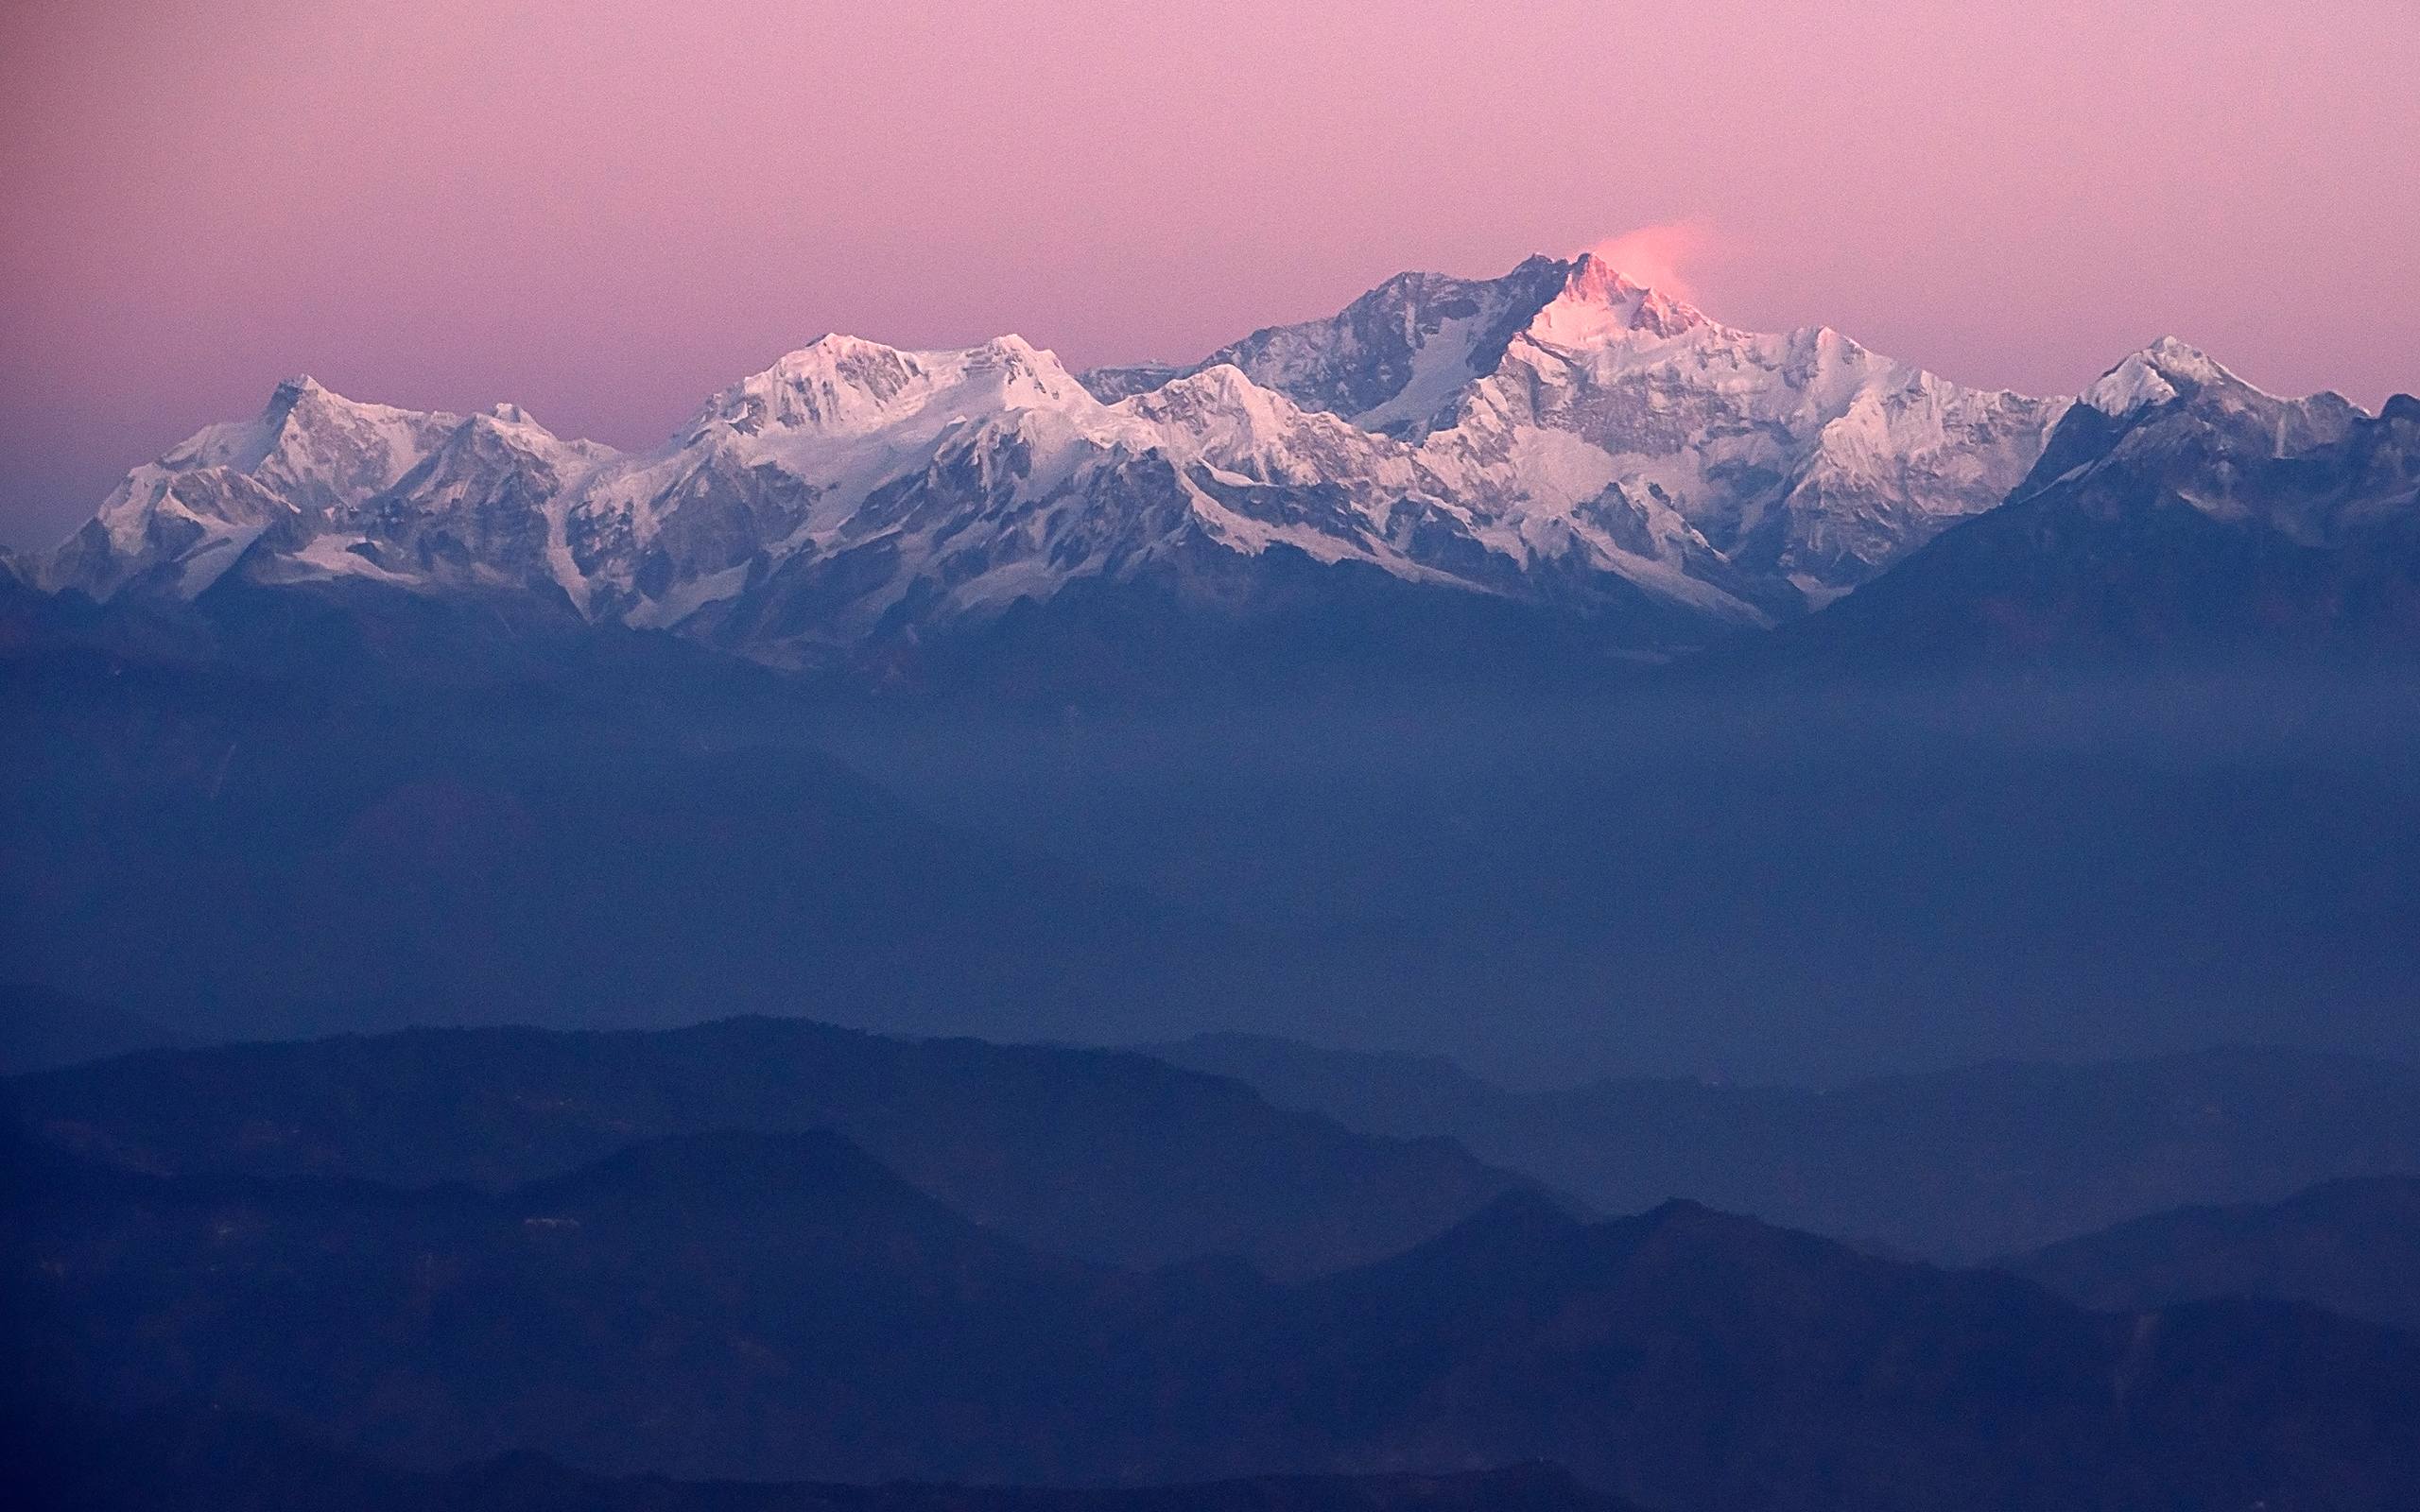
1102 1154
2351 1245
1959 1166
775 1306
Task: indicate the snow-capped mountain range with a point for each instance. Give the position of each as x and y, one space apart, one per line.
2171 427
1559 436
2177 513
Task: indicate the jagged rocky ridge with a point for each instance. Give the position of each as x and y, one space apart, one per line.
1559 436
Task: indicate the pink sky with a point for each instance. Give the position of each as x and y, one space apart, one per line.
606 210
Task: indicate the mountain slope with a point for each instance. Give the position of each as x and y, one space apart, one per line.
39 1029
778 1307
2352 1246
1390 360
1955 1165
207 1461
1558 437
1094 1153
177 524
1755 461
2176 514
717 1304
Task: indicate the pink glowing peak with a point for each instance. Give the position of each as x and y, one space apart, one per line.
1656 257
1599 297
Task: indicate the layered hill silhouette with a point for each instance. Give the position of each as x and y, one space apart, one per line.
205 1460
779 1306
1961 1165
1107 1155
2352 1246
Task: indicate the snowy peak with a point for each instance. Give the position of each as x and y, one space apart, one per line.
297 390
1222 417
328 452
844 386
2159 375
1394 358
2185 359
2169 426
1599 302
2170 388
302 417
1563 436
1562 433
1398 359
1222 391
296 484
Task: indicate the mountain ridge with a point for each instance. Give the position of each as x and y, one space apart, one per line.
205 1459
1682 1358
2176 512
1957 1166
1560 436
1176 1164
2350 1245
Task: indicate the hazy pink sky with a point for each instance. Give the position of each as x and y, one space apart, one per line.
606 210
